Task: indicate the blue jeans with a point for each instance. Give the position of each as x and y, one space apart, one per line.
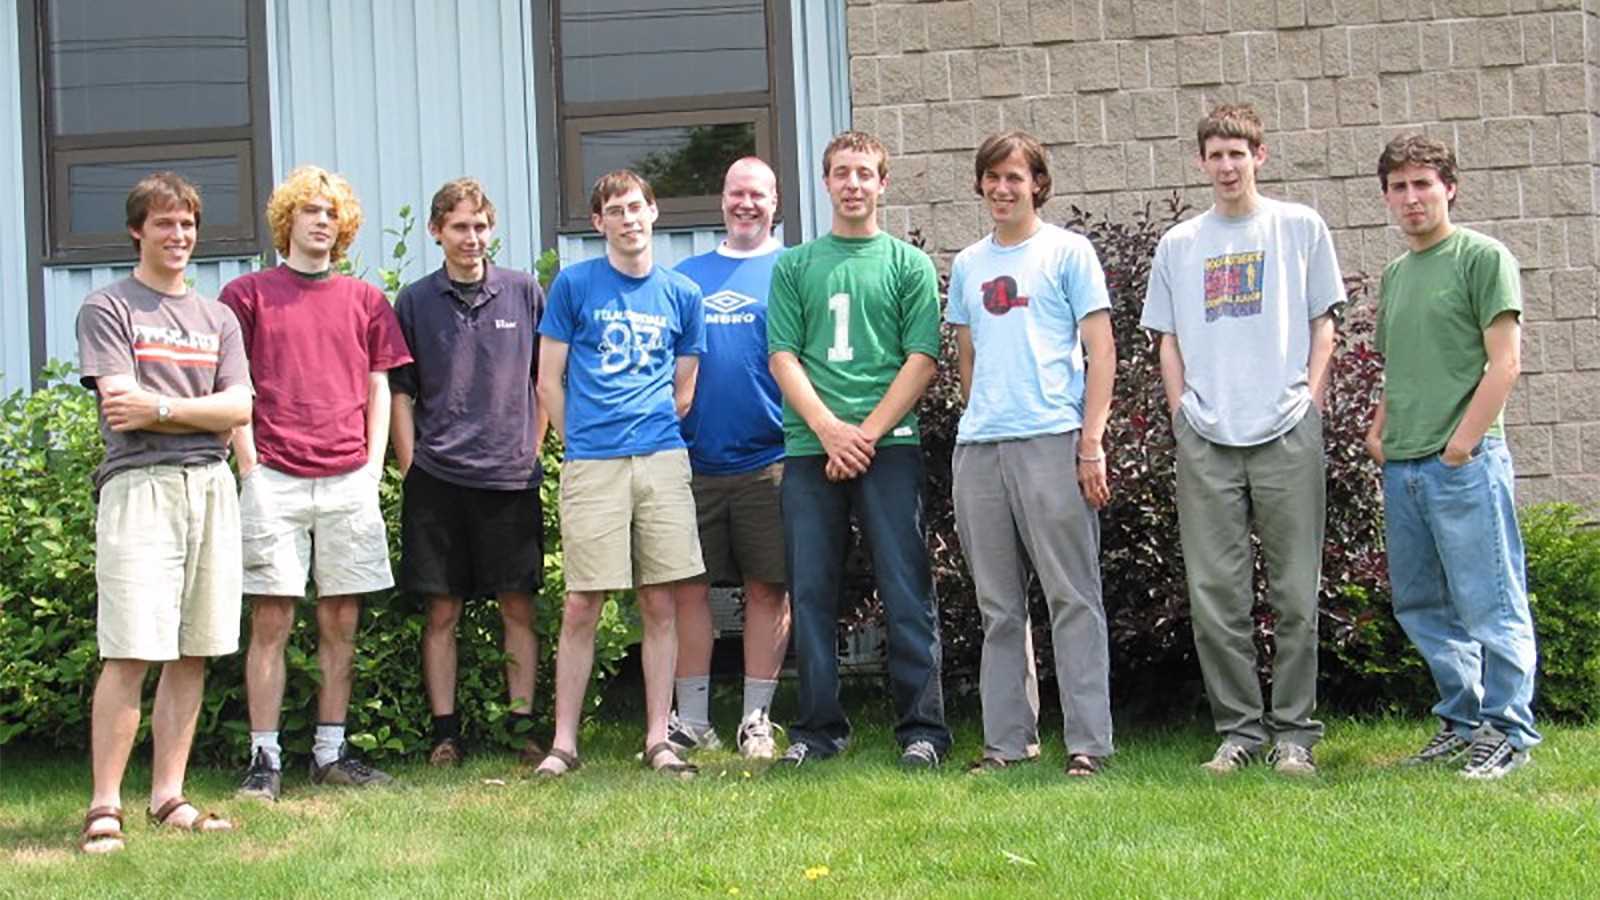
1460 591
887 502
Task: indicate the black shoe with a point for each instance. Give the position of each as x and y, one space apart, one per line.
919 755
794 757
262 780
348 770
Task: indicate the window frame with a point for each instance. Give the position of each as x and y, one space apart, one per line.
567 206
48 157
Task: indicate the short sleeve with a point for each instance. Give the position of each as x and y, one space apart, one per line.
1495 283
105 342
785 327
403 379
1324 282
1085 279
1157 314
955 307
559 321
919 304
233 367
386 347
691 312
1379 330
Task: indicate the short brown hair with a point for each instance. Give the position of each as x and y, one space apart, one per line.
996 147
617 182
161 190
1231 120
1417 150
452 194
859 141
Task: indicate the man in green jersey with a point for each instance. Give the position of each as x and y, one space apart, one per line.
1449 331
853 337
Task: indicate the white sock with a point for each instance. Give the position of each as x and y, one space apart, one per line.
266 741
330 740
758 693
694 701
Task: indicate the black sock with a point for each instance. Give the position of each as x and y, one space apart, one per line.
446 727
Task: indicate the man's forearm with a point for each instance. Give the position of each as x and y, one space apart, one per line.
966 358
1487 401
402 430
244 447
217 413
1322 340
377 417
1171 372
903 393
797 390
553 404
1099 381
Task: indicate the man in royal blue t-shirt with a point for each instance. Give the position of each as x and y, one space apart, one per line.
620 343
735 435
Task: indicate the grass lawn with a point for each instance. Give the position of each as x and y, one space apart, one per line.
1153 825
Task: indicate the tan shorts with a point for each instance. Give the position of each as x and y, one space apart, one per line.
328 528
628 522
741 526
167 563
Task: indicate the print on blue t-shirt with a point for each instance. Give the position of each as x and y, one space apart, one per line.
623 337
736 423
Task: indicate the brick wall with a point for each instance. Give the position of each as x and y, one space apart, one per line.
1114 87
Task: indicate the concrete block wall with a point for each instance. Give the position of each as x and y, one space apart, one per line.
1114 87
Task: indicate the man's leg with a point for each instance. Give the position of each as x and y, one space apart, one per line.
766 634
1475 521
1062 533
114 722
172 723
1421 597
658 657
1214 530
1007 681
1288 494
574 658
522 649
889 505
337 618
692 671
439 676
271 620
816 530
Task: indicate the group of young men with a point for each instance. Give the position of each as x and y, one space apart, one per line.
724 422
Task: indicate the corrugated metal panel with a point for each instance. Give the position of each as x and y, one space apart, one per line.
14 355
65 288
401 97
822 86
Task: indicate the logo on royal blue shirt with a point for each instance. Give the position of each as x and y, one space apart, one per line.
723 308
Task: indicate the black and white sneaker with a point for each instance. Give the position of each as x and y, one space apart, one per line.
685 738
1492 756
262 780
1229 758
919 755
1444 747
794 757
1292 759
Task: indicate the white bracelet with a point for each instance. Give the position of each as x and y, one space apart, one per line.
1097 458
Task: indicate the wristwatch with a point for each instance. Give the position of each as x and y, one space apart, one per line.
163 409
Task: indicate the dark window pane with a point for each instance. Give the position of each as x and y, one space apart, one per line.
146 66
682 161
615 50
98 191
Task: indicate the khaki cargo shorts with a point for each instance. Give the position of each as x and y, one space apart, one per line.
330 529
628 522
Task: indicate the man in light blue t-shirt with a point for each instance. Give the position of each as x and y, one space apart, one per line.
1037 362
735 435
1242 297
619 347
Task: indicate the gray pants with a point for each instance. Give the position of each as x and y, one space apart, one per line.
1015 502
1281 484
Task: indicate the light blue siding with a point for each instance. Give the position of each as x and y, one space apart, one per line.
822 86
14 352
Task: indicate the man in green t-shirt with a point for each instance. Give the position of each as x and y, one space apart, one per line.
1449 331
853 337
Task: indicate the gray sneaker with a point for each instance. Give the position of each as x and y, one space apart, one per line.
262 780
919 755
1444 747
684 738
1491 756
1229 758
347 770
1292 759
792 758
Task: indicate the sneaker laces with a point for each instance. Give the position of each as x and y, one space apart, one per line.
1232 753
1485 751
1441 739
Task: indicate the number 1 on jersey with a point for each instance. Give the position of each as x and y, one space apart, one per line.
839 308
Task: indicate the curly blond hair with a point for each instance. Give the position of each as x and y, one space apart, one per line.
304 184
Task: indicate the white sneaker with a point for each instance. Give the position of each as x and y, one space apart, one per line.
685 738
755 736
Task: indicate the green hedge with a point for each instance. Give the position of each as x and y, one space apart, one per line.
49 445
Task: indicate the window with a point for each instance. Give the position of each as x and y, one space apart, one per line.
674 89
136 86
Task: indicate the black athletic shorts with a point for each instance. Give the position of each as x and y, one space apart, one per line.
468 542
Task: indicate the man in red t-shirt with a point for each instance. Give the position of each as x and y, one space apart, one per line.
320 347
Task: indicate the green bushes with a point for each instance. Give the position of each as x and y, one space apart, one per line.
49 445
1563 550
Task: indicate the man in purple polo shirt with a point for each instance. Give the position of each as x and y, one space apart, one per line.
466 431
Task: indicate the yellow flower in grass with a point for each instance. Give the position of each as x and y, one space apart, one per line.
815 872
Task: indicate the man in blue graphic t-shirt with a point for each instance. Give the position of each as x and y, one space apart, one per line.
619 347
735 435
